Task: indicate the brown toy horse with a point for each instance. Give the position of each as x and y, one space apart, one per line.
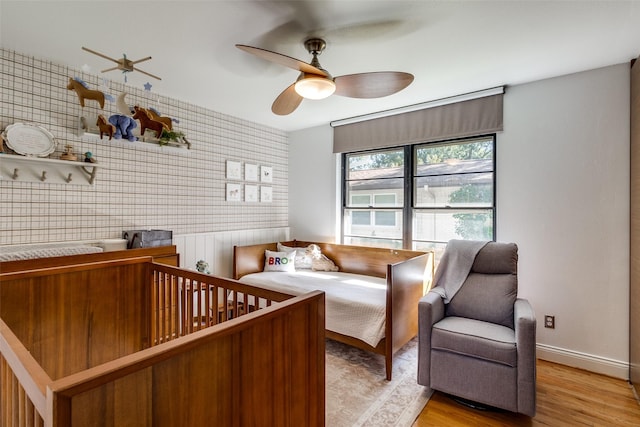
84 93
163 119
146 122
105 127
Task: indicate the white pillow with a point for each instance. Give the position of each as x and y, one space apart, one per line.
303 257
279 261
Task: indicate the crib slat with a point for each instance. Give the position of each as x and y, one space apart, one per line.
176 304
185 301
215 305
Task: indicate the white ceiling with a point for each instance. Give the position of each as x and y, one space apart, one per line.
451 47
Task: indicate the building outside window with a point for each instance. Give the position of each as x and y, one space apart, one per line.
420 196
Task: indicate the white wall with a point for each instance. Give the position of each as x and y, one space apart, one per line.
313 177
562 195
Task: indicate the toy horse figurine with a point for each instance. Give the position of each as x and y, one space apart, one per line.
85 93
158 118
105 127
146 122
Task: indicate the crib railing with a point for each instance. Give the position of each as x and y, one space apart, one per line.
185 301
175 303
22 383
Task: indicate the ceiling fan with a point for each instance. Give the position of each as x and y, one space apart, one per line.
124 64
314 82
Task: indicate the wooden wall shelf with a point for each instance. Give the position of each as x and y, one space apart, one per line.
51 171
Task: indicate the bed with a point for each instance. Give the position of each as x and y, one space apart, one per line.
113 339
371 301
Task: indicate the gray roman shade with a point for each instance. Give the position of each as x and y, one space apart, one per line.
477 116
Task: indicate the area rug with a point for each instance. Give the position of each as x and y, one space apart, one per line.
357 393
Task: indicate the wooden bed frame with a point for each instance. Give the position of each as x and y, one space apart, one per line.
408 274
98 340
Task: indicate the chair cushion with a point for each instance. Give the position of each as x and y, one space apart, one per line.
477 339
497 258
486 297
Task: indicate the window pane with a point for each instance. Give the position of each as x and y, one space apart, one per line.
444 225
384 200
361 218
369 165
360 200
437 248
394 188
370 241
460 190
438 159
385 218
356 226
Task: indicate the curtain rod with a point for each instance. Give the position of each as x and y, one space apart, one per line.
422 106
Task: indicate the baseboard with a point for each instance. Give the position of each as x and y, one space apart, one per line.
588 362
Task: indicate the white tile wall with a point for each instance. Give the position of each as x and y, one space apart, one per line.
142 185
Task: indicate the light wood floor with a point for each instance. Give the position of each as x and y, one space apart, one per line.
565 397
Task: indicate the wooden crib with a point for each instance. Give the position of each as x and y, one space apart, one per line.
117 342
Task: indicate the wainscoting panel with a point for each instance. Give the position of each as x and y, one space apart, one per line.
216 248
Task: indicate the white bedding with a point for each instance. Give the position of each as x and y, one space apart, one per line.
21 252
355 304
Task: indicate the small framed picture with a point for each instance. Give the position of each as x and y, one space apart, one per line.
250 193
234 170
234 192
250 172
266 174
266 194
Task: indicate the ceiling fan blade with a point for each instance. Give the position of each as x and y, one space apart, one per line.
372 85
287 101
100 54
141 60
281 59
148 74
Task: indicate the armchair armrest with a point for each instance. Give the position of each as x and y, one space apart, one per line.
430 311
525 329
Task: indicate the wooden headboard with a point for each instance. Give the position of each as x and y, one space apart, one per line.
350 259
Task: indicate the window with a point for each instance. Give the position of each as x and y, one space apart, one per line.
420 196
374 189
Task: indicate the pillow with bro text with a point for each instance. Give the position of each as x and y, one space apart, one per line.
279 261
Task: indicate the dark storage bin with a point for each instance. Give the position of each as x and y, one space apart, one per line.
147 238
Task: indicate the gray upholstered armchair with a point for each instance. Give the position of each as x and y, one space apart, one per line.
477 340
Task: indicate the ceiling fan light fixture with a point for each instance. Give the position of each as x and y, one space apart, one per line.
315 87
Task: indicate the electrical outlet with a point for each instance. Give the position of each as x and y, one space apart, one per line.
550 321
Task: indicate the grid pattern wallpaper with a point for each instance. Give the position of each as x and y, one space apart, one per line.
141 185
